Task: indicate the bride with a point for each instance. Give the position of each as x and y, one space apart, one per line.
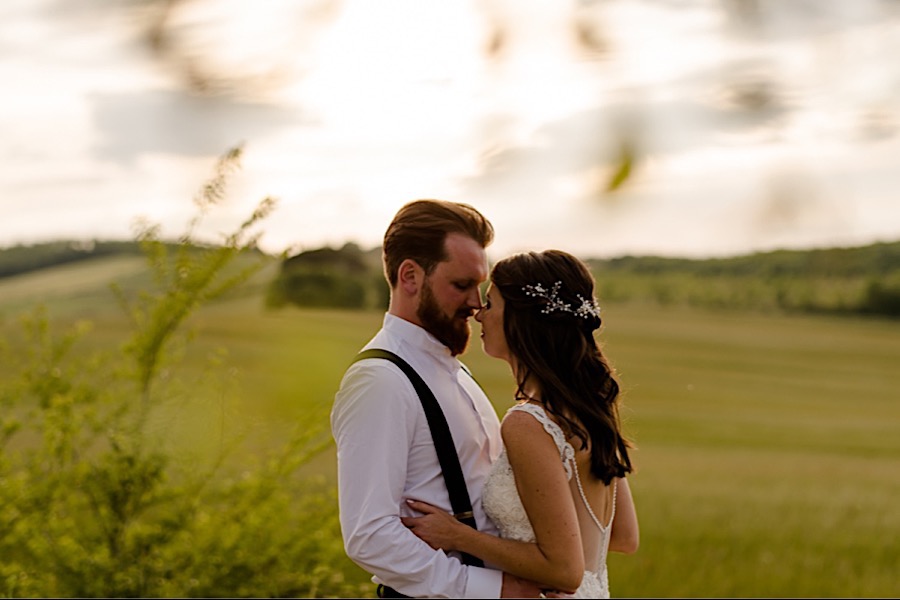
558 492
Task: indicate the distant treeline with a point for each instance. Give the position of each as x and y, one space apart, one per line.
326 277
876 260
859 280
17 260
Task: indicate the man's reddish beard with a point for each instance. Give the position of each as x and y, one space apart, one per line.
450 331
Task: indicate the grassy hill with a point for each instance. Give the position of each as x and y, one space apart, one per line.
81 286
767 443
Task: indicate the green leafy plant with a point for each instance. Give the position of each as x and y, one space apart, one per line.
93 500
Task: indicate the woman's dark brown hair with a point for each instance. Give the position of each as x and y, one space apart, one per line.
557 350
419 229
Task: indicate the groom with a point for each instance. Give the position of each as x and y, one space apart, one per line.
434 260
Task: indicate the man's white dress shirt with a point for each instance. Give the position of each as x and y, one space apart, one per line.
386 455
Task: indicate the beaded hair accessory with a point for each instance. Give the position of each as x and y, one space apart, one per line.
587 308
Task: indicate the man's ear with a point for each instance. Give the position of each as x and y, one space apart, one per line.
410 276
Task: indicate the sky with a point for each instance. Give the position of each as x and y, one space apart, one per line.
748 125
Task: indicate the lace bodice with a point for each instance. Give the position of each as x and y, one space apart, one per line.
503 505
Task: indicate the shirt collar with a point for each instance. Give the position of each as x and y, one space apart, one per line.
418 338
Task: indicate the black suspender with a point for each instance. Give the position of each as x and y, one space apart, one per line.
443 443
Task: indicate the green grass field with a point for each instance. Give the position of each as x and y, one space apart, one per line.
768 447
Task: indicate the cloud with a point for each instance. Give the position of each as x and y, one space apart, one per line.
777 20
593 138
177 123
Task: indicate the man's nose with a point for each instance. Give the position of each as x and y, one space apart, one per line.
474 299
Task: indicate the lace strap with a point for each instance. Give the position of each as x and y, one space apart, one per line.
567 454
566 451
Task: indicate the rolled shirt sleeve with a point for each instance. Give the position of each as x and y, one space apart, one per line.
374 423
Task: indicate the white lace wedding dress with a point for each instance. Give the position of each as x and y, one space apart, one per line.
502 503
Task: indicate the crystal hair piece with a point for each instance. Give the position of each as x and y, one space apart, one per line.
587 308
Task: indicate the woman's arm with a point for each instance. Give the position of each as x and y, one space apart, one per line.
625 536
556 559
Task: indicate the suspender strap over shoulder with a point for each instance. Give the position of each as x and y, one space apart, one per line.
443 442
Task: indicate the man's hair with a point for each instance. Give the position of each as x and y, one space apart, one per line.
420 228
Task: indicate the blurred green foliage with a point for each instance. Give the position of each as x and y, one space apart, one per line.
94 501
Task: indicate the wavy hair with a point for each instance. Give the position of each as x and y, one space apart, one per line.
557 350
420 228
